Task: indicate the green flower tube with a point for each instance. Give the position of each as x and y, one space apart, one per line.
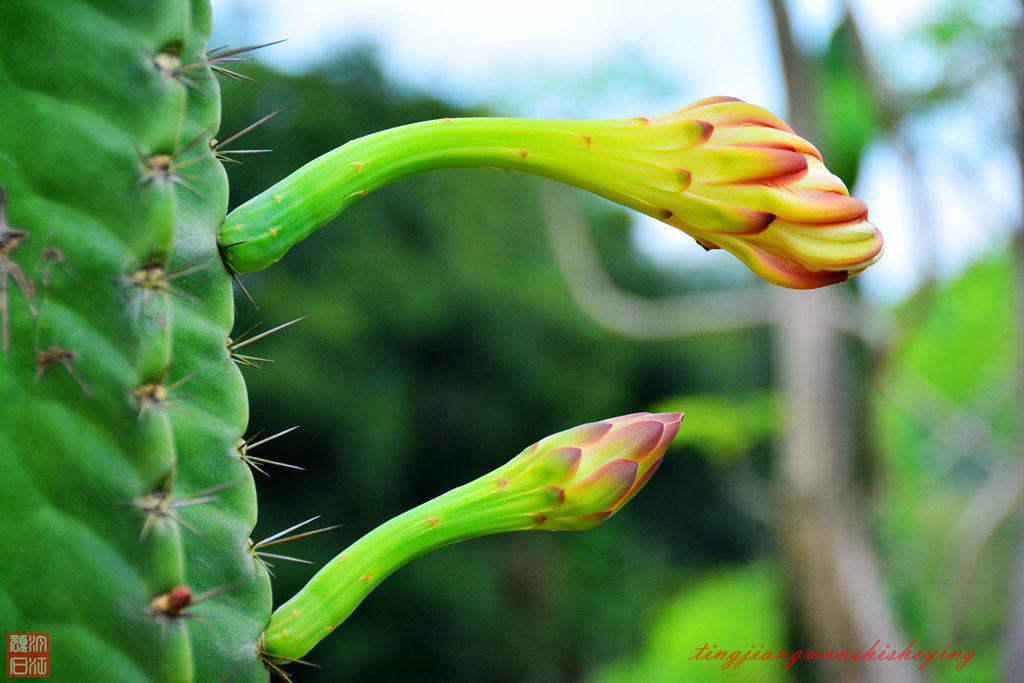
572 480
728 173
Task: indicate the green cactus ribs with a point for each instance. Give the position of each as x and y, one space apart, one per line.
119 402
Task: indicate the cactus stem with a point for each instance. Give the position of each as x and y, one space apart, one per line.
56 355
218 145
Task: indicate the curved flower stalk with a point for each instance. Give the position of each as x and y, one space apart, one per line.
572 480
729 173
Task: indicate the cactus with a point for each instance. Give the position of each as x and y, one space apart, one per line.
127 498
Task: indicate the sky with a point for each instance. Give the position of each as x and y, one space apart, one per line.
604 59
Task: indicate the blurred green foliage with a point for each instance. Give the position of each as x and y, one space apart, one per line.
947 419
847 113
737 610
724 428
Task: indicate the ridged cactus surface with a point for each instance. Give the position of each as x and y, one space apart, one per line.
120 407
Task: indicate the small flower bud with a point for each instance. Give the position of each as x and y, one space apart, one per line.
572 480
599 467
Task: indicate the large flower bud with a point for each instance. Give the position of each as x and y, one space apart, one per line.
592 470
735 176
728 173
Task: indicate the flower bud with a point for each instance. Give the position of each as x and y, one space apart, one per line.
734 176
572 480
597 466
728 173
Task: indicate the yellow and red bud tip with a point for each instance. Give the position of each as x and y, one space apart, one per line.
736 177
597 466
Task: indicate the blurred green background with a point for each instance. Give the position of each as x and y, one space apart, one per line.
445 332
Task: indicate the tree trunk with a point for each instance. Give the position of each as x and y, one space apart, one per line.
1015 629
834 574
